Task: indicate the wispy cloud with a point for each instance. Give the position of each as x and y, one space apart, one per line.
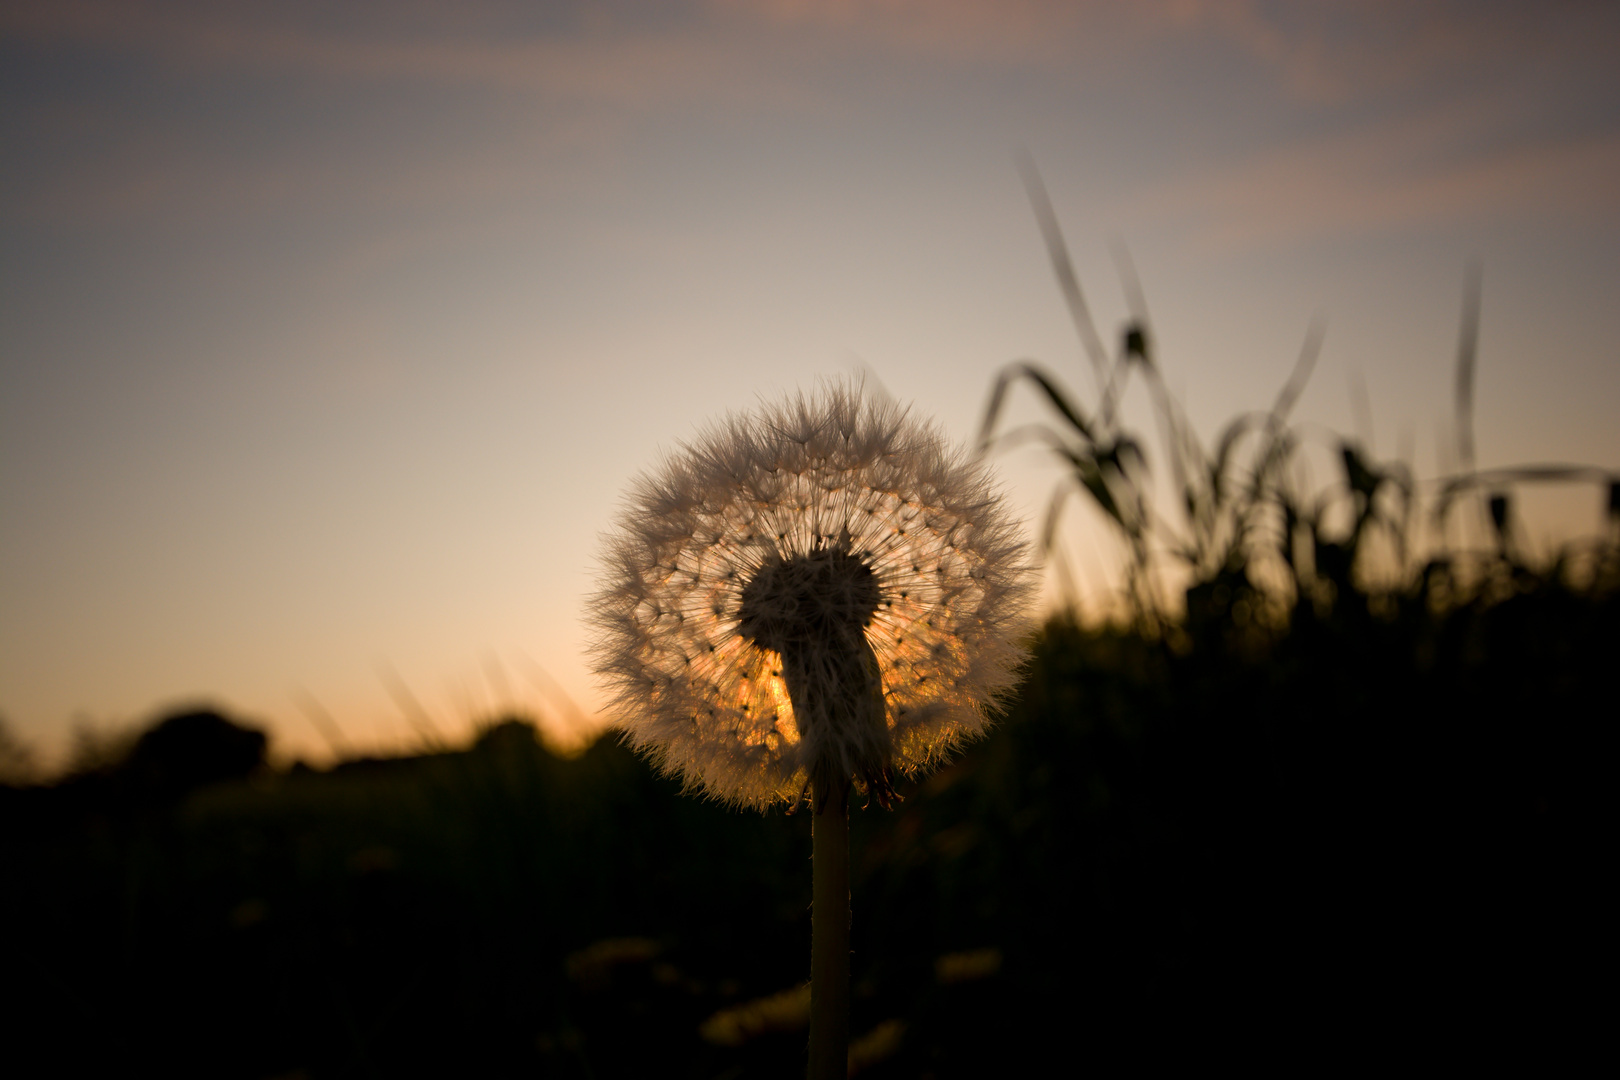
1441 168
624 52
608 65
1394 96
1337 51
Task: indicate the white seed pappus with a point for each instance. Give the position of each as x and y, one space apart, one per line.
842 518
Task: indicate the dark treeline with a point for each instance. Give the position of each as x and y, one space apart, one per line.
1378 826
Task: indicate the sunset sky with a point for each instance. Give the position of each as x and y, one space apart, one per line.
330 335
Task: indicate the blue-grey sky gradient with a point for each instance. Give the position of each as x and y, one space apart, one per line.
330 334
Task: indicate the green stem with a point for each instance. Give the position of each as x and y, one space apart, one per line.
829 931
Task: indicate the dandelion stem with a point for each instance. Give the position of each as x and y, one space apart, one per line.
829 931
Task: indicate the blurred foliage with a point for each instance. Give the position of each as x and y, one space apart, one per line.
17 763
1382 826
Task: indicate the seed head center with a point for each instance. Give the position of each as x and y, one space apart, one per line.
824 598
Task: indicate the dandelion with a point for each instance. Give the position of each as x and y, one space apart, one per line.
824 588
824 592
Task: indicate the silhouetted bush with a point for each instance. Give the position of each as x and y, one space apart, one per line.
187 751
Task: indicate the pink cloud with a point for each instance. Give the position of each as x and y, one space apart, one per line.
1421 171
732 49
592 82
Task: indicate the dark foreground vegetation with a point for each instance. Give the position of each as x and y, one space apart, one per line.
1383 825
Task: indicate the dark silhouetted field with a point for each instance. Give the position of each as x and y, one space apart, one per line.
1358 831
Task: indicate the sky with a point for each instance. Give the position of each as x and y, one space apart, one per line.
331 335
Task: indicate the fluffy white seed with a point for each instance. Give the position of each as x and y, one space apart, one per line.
822 584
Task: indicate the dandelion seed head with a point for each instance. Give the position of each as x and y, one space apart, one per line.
824 584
